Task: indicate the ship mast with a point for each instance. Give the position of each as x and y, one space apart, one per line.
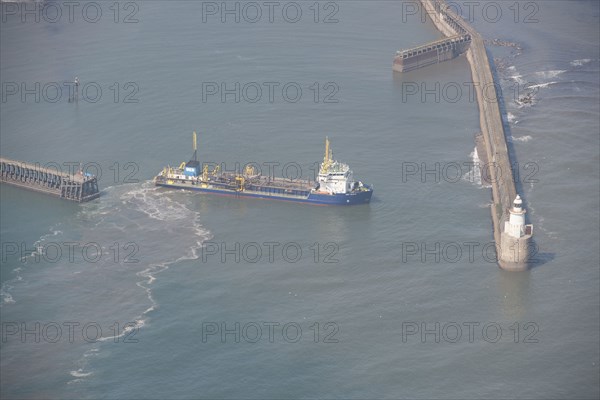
327 158
195 148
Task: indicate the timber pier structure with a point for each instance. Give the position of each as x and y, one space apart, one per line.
77 187
512 236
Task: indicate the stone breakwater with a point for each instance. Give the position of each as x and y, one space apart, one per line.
511 234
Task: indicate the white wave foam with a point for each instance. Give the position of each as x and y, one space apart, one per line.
149 274
6 296
541 85
512 118
139 323
169 231
91 353
525 138
80 374
579 63
520 104
550 74
474 173
82 363
179 227
155 205
38 245
518 78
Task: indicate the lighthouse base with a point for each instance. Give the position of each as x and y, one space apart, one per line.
514 252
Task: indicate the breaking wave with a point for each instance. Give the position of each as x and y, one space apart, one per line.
474 174
80 374
541 85
579 63
518 78
525 138
550 74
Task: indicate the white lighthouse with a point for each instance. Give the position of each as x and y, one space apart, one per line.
516 239
515 226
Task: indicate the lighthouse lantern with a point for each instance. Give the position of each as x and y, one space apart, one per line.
515 226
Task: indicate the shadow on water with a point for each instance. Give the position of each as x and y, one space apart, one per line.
538 258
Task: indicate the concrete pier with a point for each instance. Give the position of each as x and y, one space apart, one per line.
511 234
77 187
457 41
431 53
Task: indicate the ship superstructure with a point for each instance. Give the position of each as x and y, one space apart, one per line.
335 183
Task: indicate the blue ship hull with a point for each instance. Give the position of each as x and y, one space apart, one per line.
353 198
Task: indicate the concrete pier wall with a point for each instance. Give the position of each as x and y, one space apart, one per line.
513 253
431 53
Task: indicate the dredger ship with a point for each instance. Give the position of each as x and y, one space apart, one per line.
335 184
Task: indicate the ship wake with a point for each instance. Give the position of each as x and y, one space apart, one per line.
139 231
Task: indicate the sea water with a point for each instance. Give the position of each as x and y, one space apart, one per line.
172 294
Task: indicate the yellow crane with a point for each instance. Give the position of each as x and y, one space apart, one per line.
327 158
240 182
